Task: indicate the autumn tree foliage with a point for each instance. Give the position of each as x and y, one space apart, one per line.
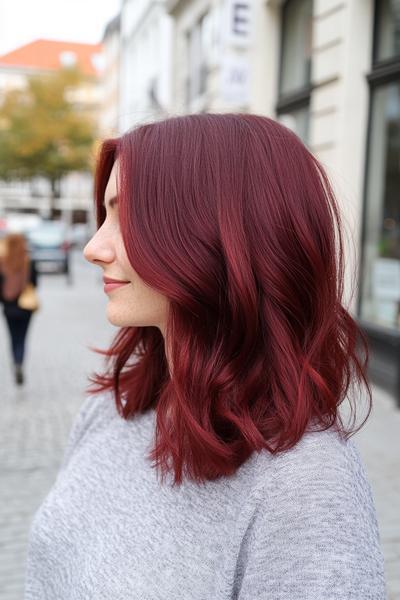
46 129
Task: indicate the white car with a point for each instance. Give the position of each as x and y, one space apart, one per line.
50 247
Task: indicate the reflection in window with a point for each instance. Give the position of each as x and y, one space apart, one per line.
296 46
388 29
381 277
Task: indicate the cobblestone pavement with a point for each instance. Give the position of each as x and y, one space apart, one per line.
36 419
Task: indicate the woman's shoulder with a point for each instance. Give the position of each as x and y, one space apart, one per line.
95 412
320 464
96 408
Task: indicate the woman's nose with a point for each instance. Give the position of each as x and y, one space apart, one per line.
99 249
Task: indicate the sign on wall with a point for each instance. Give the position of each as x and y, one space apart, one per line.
238 38
239 23
235 79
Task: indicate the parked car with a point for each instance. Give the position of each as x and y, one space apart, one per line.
50 247
21 222
80 235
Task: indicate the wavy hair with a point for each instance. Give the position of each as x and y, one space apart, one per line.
234 220
16 257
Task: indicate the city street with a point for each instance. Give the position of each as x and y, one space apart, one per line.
35 420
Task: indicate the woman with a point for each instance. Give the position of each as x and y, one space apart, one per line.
16 270
219 240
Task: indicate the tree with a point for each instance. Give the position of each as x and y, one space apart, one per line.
43 131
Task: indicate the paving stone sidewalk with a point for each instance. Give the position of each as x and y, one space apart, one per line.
379 445
36 419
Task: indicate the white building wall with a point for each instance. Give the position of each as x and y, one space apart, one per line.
265 57
110 84
146 39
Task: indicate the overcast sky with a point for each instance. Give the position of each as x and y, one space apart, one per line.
22 21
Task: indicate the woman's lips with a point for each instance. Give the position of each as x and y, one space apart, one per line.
113 284
109 287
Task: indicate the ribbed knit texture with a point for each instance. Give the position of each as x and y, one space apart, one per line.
300 525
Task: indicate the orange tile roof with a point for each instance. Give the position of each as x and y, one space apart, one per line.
48 55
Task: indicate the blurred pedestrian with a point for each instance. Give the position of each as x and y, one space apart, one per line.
17 271
211 460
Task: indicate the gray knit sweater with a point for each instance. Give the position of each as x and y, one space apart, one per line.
300 525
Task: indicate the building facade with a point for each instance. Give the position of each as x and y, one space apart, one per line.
110 79
145 66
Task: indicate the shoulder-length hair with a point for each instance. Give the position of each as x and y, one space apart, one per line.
235 222
16 257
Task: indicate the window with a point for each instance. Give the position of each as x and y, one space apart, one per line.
380 282
295 66
387 30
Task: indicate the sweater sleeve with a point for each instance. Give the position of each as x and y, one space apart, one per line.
314 535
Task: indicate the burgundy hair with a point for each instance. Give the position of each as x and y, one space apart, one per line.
235 222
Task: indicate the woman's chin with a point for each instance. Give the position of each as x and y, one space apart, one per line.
116 317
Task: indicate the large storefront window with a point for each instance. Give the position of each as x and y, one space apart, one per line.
295 73
380 283
381 277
